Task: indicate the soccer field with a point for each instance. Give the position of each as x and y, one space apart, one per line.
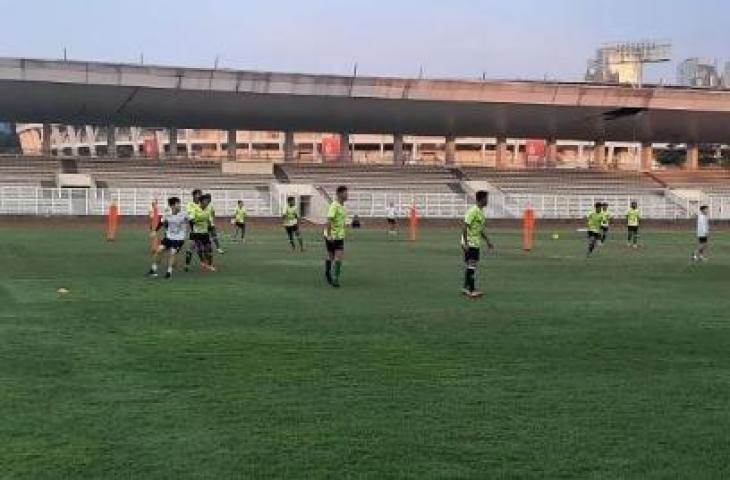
613 367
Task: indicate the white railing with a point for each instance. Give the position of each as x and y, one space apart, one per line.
29 200
575 206
26 200
453 205
429 205
719 206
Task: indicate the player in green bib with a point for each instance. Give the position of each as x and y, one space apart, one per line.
334 237
190 209
201 219
605 222
212 230
471 240
290 217
595 221
633 217
239 221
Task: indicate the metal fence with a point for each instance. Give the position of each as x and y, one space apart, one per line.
29 200
25 200
719 206
429 205
575 206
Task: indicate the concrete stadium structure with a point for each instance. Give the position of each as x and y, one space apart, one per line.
106 96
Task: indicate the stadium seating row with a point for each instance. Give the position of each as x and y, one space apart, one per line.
714 181
553 191
376 177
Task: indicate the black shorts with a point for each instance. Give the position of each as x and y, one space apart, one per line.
391 221
291 229
604 229
173 244
472 254
200 238
334 245
633 229
595 235
703 240
241 225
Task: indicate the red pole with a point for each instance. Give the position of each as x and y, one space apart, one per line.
528 229
414 224
112 222
154 221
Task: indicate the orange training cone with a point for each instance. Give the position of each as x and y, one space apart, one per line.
413 223
112 222
155 217
528 229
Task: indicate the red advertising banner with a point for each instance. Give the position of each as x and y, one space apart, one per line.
331 146
535 149
151 148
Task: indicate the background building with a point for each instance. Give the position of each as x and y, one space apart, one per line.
698 72
624 62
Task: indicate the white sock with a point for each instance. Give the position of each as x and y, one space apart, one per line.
154 267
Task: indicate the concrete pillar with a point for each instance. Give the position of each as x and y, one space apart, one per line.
501 153
647 156
111 141
46 139
315 151
345 152
692 162
75 139
612 160
289 146
551 151
517 156
581 153
189 143
231 144
134 134
398 149
172 141
599 154
450 150
91 139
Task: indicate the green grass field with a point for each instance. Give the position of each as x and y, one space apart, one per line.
617 367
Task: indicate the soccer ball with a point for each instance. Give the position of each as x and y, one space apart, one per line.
556 236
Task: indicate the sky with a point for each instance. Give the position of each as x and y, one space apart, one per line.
515 39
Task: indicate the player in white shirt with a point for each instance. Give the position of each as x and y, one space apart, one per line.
176 223
703 235
390 216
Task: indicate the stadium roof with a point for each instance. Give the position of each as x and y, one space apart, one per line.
81 93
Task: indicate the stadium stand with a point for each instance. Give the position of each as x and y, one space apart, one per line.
28 185
185 174
35 171
438 191
556 193
711 182
544 181
382 178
